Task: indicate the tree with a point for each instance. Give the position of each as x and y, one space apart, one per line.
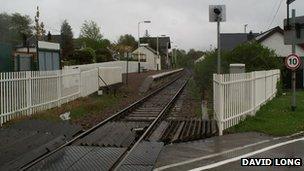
253 55
127 40
103 55
39 26
194 54
67 40
90 30
22 24
125 43
15 27
182 59
5 21
91 37
84 56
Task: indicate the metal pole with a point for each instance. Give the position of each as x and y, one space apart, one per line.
167 55
157 46
127 68
287 16
293 79
172 53
138 48
174 57
218 48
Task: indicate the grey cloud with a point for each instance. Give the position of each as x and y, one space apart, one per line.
186 21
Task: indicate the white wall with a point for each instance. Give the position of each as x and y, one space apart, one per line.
132 66
276 42
110 75
151 58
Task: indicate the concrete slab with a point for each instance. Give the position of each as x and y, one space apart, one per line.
184 151
293 150
26 140
227 148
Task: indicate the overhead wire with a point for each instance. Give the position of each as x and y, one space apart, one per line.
275 15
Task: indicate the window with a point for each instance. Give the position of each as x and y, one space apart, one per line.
49 61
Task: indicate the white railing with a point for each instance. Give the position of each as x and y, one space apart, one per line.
238 95
89 82
24 93
27 92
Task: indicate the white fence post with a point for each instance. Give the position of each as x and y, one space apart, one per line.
265 76
253 93
231 103
59 75
29 92
1 99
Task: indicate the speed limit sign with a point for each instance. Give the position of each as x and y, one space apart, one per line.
293 62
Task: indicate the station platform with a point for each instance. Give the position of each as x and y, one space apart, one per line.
220 153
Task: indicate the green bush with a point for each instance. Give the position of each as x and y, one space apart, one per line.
103 55
84 56
253 55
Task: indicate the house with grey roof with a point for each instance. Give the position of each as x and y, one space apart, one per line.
148 56
229 41
164 44
272 39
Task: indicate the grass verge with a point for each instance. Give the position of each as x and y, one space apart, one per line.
194 92
275 118
79 108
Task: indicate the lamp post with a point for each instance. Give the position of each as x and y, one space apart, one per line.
167 56
245 28
139 42
174 56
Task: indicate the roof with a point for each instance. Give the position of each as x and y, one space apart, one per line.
231 40
263 36
147 47
32 41
163 42
152 50
200 59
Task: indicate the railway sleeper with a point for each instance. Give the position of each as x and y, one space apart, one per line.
117 134
181 130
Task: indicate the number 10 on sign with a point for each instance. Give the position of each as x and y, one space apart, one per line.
293 62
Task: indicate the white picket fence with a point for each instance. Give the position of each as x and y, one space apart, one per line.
89 82
239 95
27 92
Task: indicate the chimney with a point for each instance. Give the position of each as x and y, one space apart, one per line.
250 36
49 37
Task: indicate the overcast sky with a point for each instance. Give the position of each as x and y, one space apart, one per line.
185 21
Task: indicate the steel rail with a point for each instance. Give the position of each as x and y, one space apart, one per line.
113 117
119 163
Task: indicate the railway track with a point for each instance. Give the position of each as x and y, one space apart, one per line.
120 142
